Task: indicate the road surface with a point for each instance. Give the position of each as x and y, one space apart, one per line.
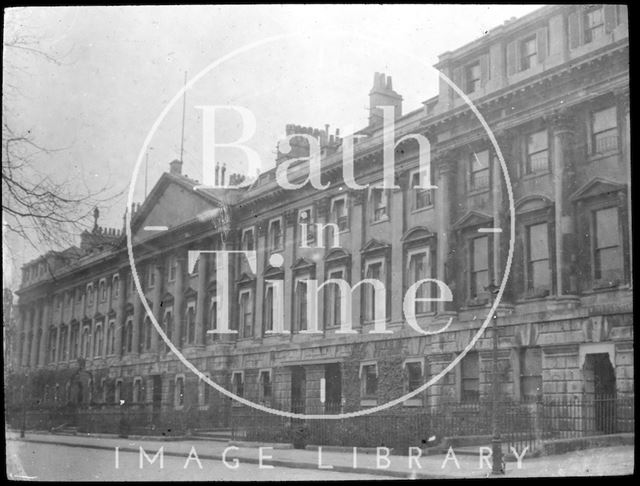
53 462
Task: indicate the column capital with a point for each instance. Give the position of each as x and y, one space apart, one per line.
446 164
562 121
358 196
622 98
290 217
323 205
262 227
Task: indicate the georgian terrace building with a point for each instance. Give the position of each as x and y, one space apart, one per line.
554 88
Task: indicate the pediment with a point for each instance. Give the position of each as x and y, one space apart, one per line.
473 218
597 187
112 313
417 234
190 293
337 255
167 298
172 202
245 278
532 202
272 271
374 245
302 264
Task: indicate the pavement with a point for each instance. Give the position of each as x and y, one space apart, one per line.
604 461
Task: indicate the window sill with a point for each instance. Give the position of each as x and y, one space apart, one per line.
478 192
368 402
203 407
477 302
378 221
421 210
178 407
603 155
534 175
606 284
412 402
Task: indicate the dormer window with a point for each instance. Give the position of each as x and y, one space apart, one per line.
275 235
593 23
472 77
379 204
528 53
247 240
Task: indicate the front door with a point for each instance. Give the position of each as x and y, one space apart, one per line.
333 383
298 389
604 385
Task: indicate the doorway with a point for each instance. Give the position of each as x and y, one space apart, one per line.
298 389
333 384
600 386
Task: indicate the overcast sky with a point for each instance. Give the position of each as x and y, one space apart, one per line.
120 66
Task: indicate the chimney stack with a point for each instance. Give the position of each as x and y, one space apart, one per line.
382 94
175 167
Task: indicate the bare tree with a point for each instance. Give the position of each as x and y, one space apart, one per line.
37 208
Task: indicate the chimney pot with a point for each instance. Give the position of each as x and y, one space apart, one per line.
175 167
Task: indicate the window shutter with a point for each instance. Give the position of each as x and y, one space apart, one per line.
485 69
574 30
609 17
542 36
511 58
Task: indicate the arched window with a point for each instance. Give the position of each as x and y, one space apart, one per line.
129 336
115 285
168 327
85 342
53 338
64 332
103 291
147 333
191 325
111 335
179 390
98 341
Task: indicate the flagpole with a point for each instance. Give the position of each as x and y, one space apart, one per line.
184 106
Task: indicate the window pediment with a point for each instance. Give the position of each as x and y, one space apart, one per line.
416 234
375 245
532 203
337 255
190 293
302 264
597 187
473 218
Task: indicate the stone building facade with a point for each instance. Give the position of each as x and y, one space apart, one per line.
554 89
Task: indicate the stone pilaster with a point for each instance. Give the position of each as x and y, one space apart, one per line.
261 252
26 327
201 302
121 318
178 300
446 173
44 342
37 321
137 316
397 230
624 106
289 244
358 198
157 304
564 180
